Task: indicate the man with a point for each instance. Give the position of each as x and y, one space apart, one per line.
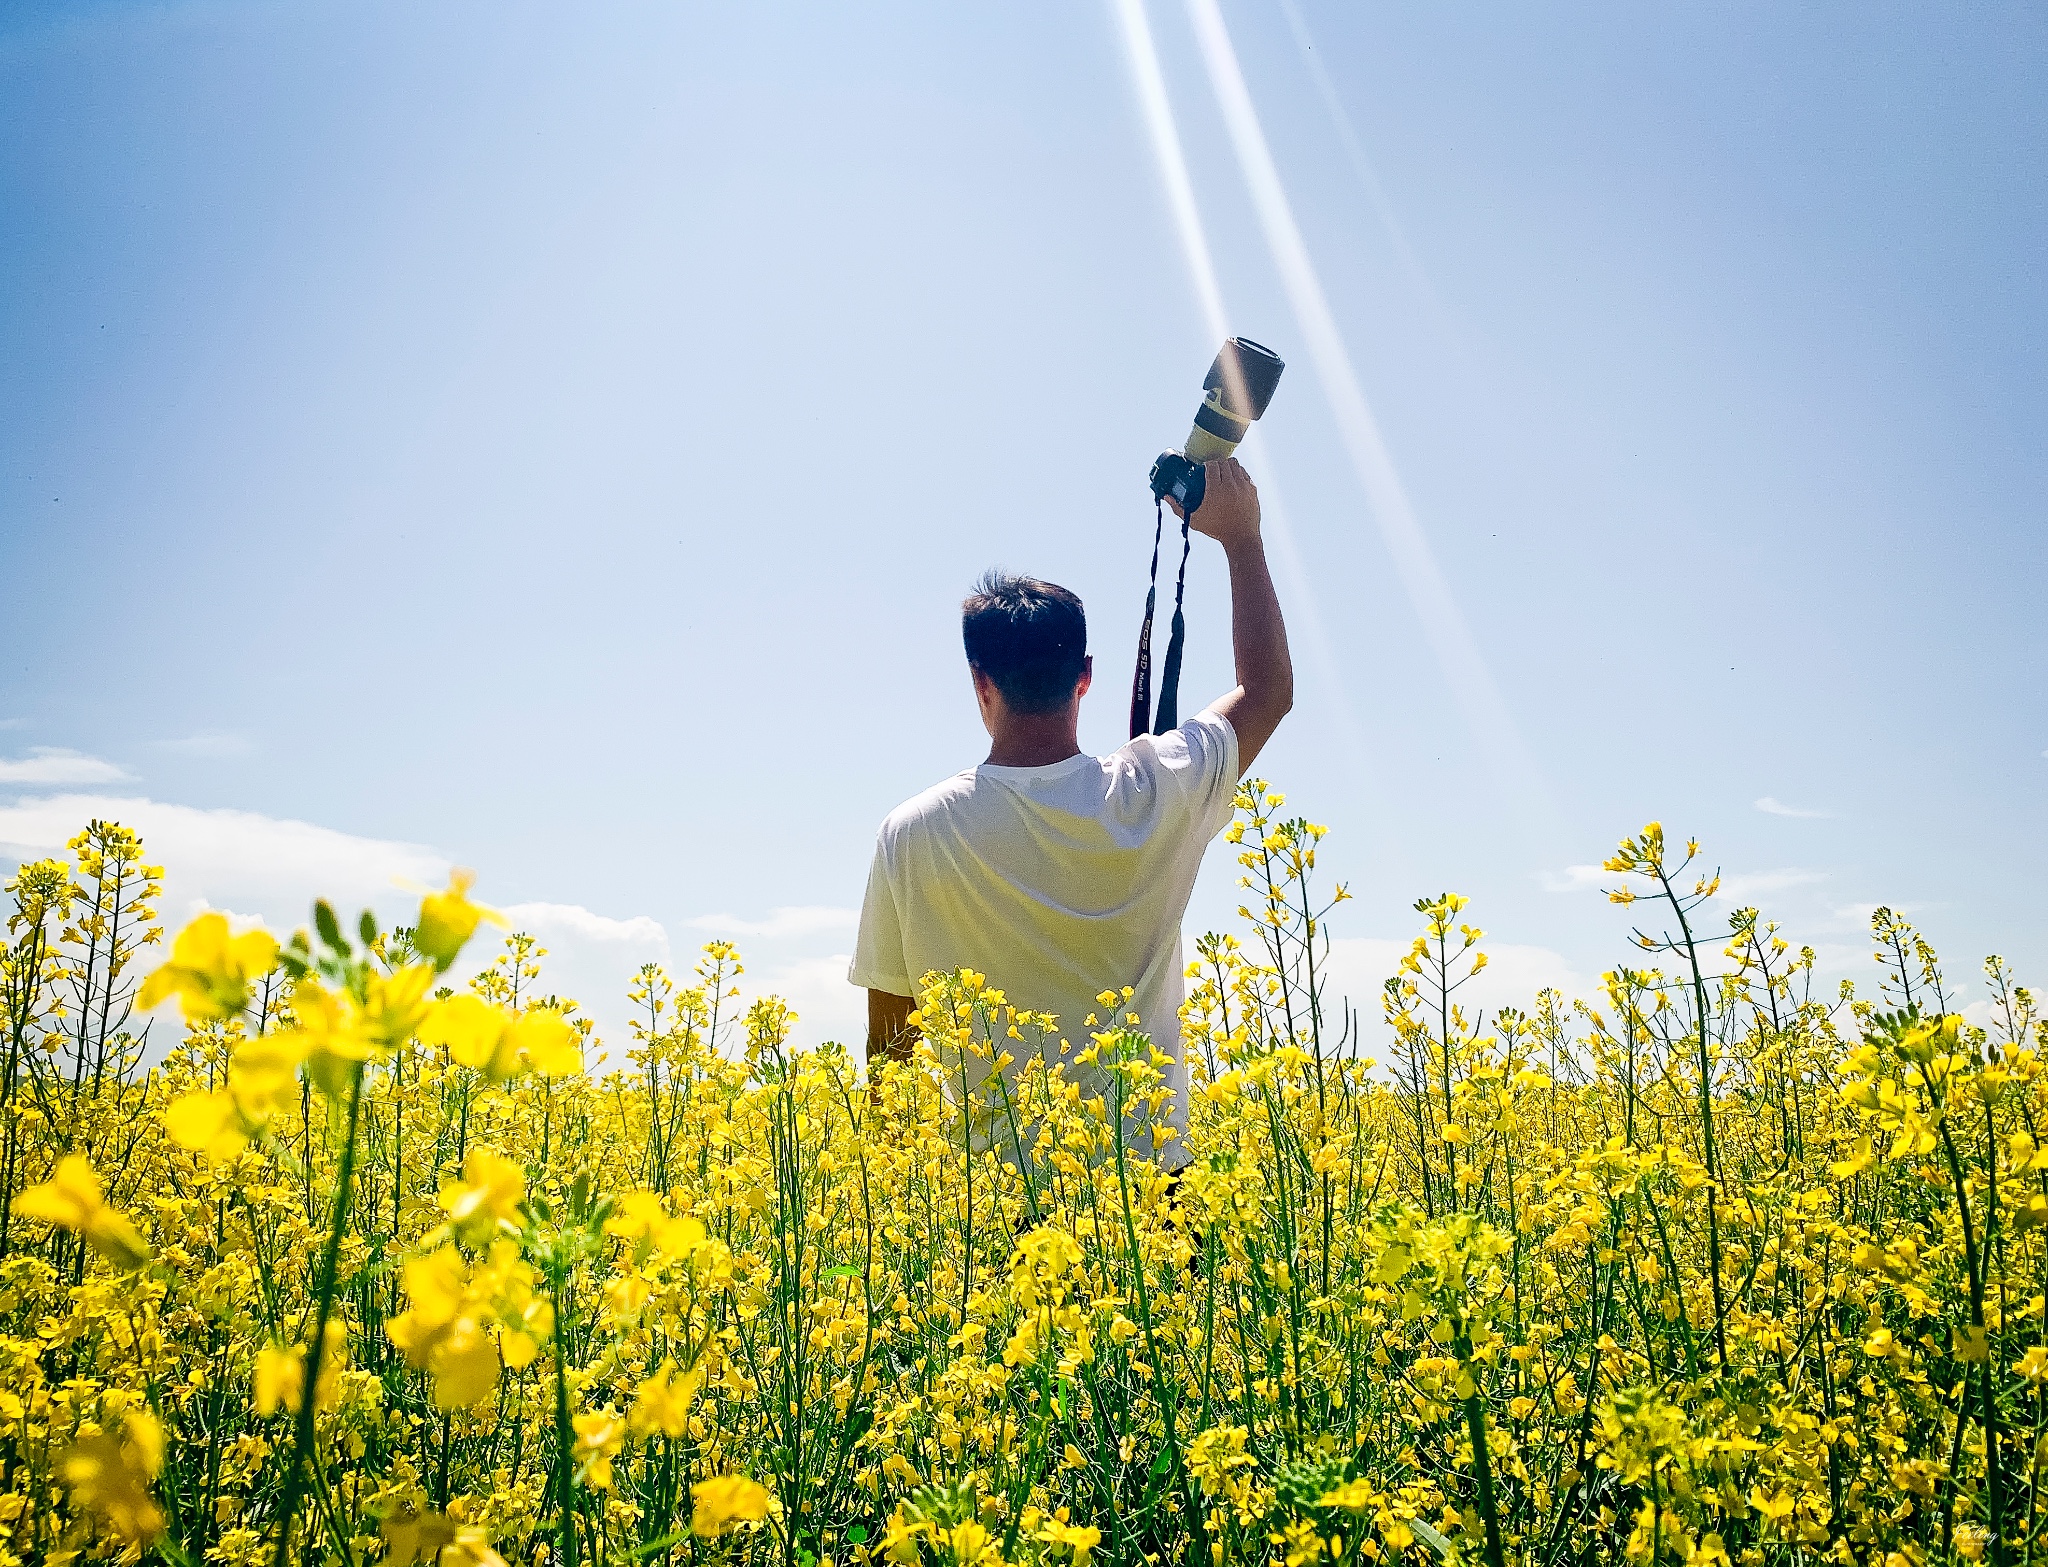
1058 874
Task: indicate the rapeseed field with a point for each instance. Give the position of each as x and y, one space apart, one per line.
1716 1266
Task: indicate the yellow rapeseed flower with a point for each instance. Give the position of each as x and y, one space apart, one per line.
263 1079
441 1333
73 1199
487 1199
210 970
430 1539
109 1474
549 1043
725 1502
1353 1496
1080 1539
600 1433
415 1538
471 1547
395 1005
281 1373
206 1123
329 1035
474 1033
662 1402
448 919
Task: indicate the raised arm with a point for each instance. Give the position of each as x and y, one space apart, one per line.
1229 514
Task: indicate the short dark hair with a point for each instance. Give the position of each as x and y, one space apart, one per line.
1029 637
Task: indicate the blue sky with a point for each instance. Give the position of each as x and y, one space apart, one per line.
557 440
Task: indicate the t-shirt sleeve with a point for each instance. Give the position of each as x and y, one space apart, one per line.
878 960
1208 773
1213 744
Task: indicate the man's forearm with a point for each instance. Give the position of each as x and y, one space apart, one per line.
1258 635
1229 514
889 1030
1258 632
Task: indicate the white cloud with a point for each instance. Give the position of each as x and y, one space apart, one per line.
1842 960
782 923
826 1005
1360 965
1745 886
243 858
1575 878
237 921
208 744
266 869
54 765
269 869
590 956
1772 807
1857 916
640 931
1739 887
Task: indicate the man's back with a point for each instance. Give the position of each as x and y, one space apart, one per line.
1057 882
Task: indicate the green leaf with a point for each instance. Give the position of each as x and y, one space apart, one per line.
845 1270
857 1534
1429 1536
662 1544
328 926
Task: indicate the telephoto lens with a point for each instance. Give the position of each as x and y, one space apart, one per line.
1239 385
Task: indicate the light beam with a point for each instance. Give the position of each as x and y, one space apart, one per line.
1472 686
1150 83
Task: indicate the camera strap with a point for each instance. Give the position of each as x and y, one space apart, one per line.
1169 673
1141 677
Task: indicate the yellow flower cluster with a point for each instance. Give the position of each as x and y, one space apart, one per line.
372 1268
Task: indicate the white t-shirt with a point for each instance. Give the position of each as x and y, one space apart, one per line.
1058 883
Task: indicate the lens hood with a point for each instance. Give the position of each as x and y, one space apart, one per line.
1244 378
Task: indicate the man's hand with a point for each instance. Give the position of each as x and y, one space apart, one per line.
1229 514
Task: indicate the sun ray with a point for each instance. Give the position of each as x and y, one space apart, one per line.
1149 81
1496 736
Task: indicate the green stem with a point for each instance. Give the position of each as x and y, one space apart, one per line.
1482 1465
1713 1162
1144 1302
1994 1471
565 1432
316 1352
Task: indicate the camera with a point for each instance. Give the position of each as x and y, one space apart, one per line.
1236 391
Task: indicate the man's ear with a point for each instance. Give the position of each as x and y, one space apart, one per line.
985 693
1087 677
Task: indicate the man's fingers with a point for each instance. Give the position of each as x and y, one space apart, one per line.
1225 474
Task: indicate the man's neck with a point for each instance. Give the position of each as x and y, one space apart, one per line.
1034 742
